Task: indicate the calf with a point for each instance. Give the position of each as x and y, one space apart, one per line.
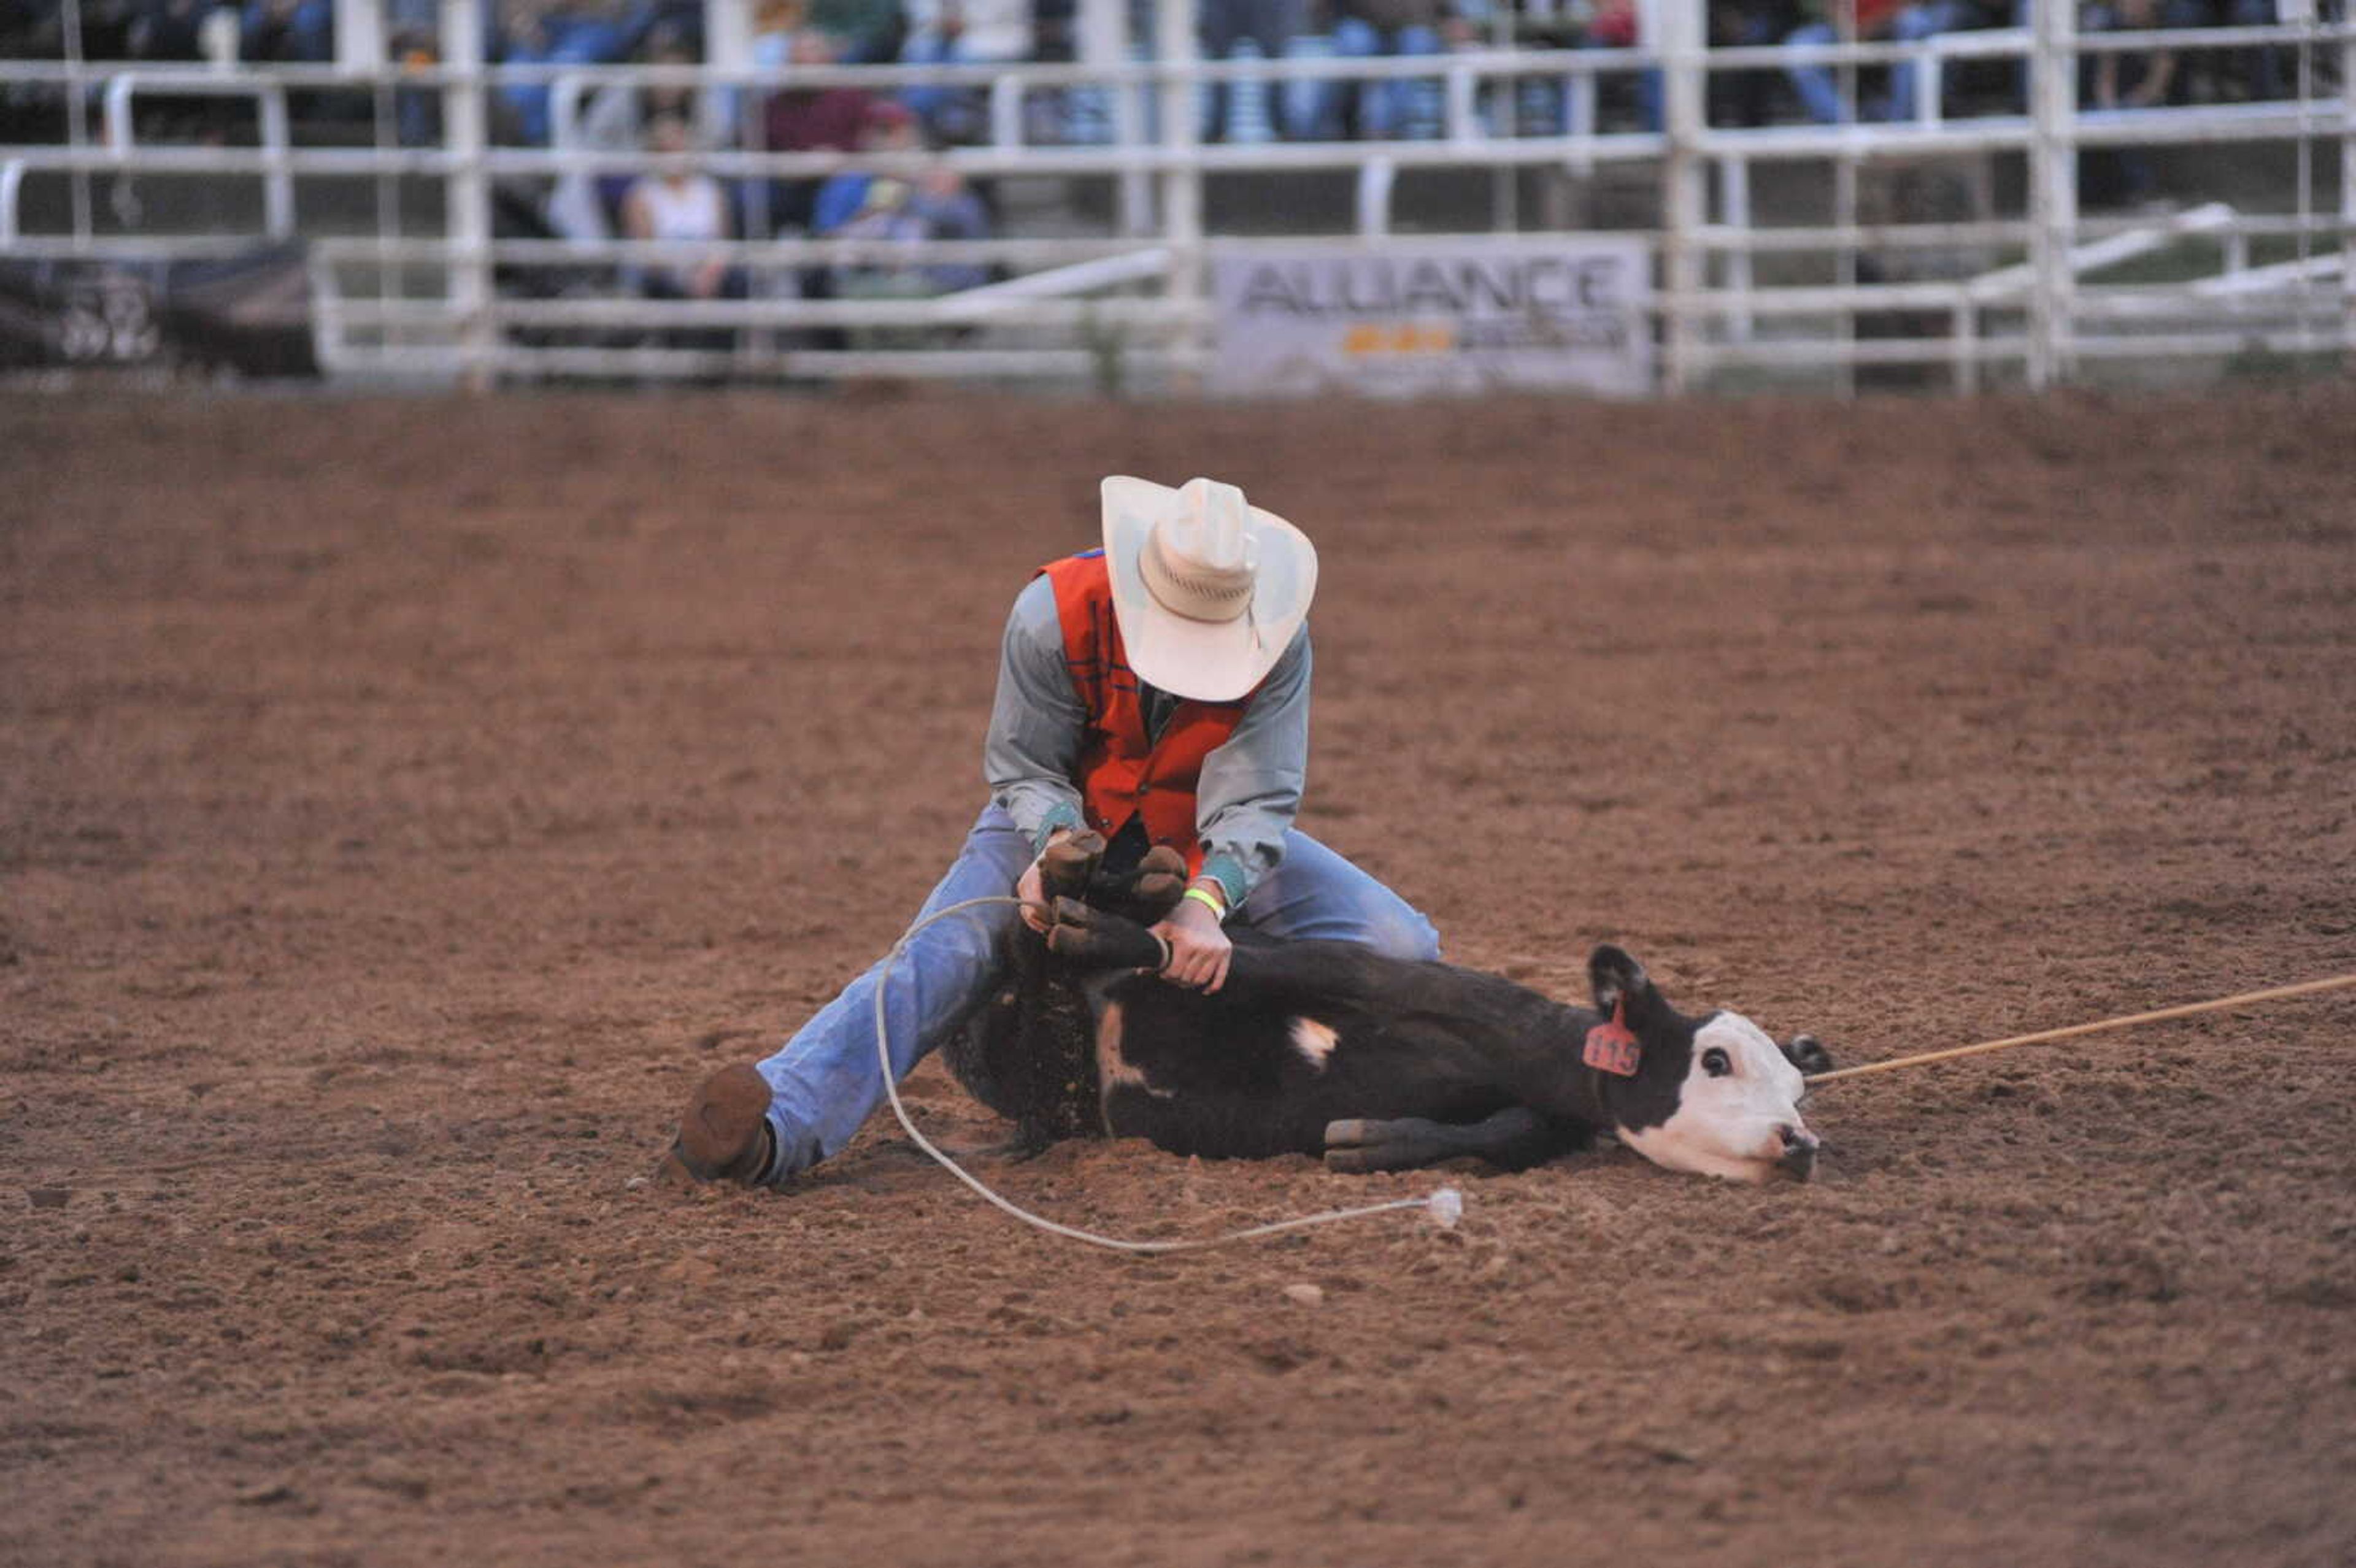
1375 1063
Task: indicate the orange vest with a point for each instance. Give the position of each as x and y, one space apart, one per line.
1122 773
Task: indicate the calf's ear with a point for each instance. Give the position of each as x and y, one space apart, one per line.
1807 1053
1617 978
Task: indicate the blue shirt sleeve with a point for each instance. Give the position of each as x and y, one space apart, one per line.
1250 788
1036 721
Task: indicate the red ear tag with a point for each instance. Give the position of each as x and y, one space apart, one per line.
1612 1047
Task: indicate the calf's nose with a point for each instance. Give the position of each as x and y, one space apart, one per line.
1800 1147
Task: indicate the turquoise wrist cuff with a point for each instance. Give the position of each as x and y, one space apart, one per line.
1228 872
1057 817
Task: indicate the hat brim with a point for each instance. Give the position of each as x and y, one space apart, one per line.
1208 661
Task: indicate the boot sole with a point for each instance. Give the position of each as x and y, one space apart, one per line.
720 1133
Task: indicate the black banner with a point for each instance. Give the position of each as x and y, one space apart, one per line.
251 314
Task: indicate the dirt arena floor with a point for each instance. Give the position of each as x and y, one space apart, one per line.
403 803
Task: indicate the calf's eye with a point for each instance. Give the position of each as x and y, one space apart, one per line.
1714 1063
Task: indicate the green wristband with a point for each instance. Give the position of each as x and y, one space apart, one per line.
1209 900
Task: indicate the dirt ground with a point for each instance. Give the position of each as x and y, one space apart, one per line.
403 803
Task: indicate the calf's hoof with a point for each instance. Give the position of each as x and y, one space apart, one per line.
1359 1146
1091 939
1511 1139
724 1134
1159 883
1065 866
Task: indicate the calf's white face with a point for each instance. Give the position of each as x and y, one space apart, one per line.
1738 1110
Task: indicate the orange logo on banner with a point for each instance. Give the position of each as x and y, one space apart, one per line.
1367 339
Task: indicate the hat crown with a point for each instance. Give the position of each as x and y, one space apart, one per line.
1208 590
1200 560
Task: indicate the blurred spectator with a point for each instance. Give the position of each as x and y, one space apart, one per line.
774 23
888 129
2262 77
170 30
1733 97
669 46
2131 79
937 204
294 30
1868 21
1745 97
1408 107
561 32
933 205
619 117
1259 29
110 30
32 29
1616 25
810 120
678 204
816 118
961 32
2135 80
416 111
865 32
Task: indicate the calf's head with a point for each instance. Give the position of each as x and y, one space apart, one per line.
1713 1094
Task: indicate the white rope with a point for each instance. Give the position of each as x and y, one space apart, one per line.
2189 1010
1445 1205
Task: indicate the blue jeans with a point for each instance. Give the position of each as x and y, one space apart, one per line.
2268 80
1915 22
950 114
569 40
1398 106
825 1082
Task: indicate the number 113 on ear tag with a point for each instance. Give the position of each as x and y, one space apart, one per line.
1612 1047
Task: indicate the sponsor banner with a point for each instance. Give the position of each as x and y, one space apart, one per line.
1412 317
250 312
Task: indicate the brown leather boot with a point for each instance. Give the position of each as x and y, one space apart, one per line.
724 1134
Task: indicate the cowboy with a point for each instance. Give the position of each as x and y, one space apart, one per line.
1154 691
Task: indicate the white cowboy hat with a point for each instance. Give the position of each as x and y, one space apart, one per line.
1207 589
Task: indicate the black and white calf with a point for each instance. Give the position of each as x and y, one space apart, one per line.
1375 1063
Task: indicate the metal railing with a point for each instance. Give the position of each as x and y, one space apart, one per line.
2017 294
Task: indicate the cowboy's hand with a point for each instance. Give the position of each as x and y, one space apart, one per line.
1034 894
1199 949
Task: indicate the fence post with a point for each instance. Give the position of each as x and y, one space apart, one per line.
77 120
1683 200
1375 177
1175 48
2347 198
1736 272
2052 189
359 36
728 35
467 191
12 185
277 145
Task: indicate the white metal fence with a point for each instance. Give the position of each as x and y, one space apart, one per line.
1969 290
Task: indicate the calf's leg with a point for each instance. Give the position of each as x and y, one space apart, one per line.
1090 938
1514 1139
